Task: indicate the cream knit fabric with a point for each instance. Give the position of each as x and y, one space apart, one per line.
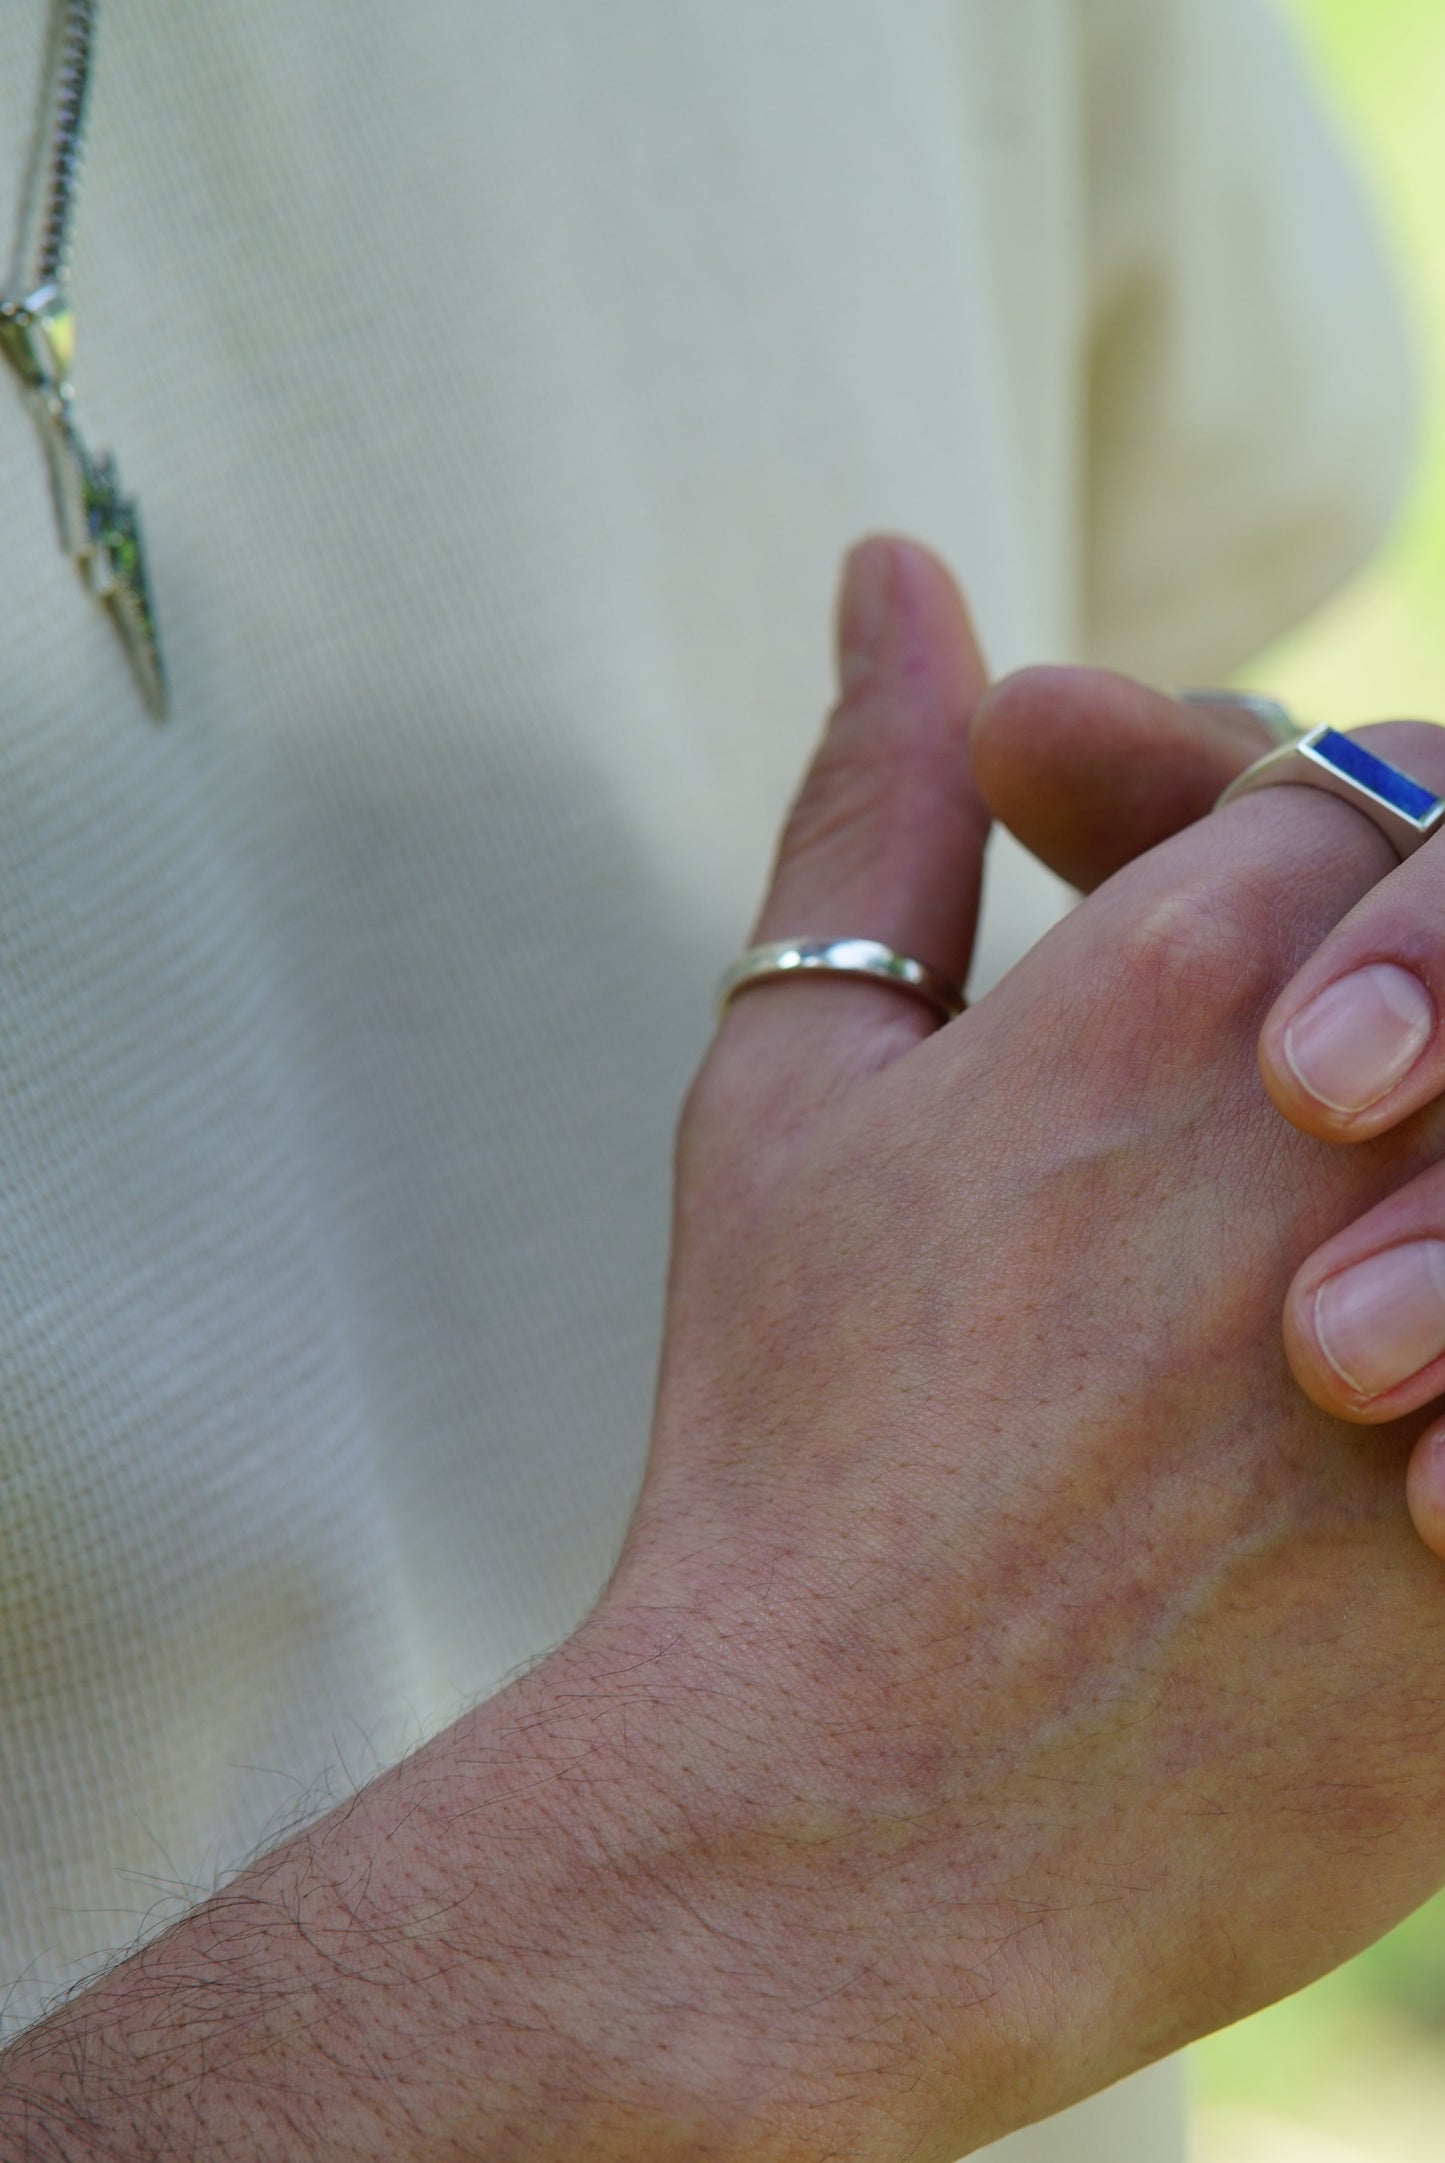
501 380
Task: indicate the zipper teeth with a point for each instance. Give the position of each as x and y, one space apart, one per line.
69 81
42 241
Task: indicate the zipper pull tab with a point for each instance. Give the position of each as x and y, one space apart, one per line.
37 337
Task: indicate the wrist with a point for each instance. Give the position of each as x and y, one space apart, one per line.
762 1988
555 1930
687 2010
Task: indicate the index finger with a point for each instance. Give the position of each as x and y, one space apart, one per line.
1354 1044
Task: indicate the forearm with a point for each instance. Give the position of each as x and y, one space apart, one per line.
416 1975
525 1944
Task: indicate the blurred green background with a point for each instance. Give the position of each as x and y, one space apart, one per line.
1380 649
1353 2071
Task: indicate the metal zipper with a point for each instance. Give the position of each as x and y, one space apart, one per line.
47 210
98 525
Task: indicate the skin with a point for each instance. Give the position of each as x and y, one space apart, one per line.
1050 747
1010 1673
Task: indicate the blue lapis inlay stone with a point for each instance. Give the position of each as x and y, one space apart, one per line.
1354 763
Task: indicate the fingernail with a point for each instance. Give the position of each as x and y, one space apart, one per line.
1383 1320
1351 1045
866 609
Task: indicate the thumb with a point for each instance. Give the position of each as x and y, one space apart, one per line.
885 840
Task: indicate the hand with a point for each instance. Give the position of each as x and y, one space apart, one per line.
1067 1683
1350 1050
1009 1674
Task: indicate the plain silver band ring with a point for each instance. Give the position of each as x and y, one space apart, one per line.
863 958
1406 811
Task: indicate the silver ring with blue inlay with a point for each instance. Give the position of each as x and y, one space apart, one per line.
1406 812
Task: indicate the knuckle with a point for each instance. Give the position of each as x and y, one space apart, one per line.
865 805
1188 974
1195 957
839 801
